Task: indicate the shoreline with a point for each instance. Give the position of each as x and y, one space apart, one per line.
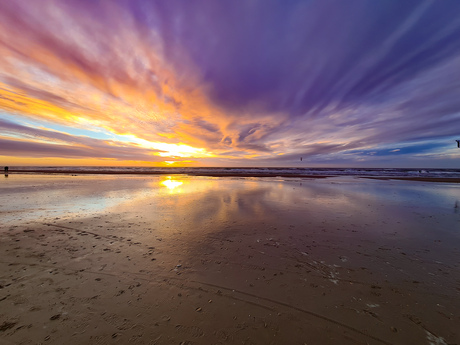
418 179
153 173
232 174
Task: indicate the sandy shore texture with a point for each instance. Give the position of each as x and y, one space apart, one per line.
202 260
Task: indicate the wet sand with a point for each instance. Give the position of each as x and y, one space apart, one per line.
203 260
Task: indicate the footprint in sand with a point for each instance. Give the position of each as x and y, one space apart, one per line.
192 331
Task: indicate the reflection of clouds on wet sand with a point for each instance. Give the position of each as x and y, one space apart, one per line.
198 200
363 261
352 252
35 198
199 204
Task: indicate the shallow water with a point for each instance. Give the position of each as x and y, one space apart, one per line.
32 197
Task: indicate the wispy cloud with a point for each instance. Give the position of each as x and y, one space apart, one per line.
34 142
269 81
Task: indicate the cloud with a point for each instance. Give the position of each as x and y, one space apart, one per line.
34 142
312 78
9 147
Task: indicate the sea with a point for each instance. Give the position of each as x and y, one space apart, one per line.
245 171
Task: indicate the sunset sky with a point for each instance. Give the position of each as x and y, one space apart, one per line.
230 83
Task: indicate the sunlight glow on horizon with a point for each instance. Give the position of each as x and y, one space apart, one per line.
170 150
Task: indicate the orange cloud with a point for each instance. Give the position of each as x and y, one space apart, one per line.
122 84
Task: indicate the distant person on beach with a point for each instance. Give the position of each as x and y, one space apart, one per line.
6 171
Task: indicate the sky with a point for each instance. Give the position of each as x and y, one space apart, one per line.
356 83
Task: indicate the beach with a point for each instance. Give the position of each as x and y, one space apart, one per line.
178 259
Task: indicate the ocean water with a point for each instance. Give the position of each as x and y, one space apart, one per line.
285 172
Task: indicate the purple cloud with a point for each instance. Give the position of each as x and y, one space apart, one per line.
281 79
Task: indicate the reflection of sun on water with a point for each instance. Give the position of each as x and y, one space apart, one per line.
172 184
